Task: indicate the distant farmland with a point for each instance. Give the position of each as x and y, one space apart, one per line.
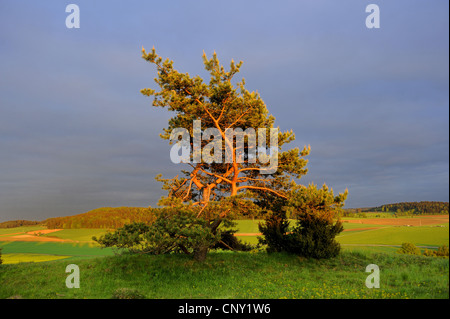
42 244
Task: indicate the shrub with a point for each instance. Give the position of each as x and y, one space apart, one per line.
130 236
1 261
174 230
275 231
429 253
312 237
409 249
442 251
179 230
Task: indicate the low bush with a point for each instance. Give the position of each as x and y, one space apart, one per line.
130 236
441 252
429 253
275 231
174 230
312 236
409 249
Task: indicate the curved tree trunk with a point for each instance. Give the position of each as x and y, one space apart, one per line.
200 253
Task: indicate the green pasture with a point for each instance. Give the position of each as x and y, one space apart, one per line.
78 235
247 225
26 251
396 235
24 258
36 251
22 229
381 239
356 226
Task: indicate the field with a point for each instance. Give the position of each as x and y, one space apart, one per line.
34 252
36 244
425 231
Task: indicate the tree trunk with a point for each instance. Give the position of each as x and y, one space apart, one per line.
200 253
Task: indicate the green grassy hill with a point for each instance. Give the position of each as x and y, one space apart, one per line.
36 269
231 275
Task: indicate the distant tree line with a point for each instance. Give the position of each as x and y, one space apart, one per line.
18 223
353 212
105 217
116 217
400 209
416 208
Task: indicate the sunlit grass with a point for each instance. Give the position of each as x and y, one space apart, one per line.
20 230
82 234
396 235
23 258
54 248
254 275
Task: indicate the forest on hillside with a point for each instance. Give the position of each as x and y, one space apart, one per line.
401 209
18 223
105 217
417 208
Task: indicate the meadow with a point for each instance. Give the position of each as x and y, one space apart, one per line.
231 275
27 264
34 248
368 235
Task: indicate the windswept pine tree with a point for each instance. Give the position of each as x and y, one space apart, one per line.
233 159
222 107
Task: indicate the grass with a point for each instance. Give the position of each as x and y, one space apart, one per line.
248 225
232 275
356 226
383 235
254 275
369 249
360 236
420 236
82 234
54 248
22 229
23 258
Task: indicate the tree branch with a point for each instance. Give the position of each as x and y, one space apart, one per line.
263 189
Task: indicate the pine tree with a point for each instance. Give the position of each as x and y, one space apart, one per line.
245 181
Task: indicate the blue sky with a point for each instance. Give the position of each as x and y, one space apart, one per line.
76 134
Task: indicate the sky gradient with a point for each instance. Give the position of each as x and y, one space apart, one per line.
76 134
